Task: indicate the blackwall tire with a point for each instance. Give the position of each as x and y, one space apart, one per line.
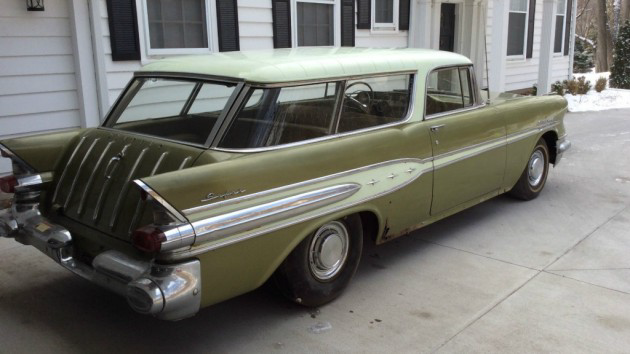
533 178
321 266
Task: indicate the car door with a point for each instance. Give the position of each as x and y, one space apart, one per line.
468 140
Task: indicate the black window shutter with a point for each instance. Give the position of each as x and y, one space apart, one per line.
364 14
347 23
123 29
227 24
403 15
281 12
567 27
530 28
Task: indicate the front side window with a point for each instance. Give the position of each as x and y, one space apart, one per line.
276 116
371 102
559 35
172 109
284 115
384 14
177 24
448 90
517 27
315 23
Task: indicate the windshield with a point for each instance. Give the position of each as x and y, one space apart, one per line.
175 109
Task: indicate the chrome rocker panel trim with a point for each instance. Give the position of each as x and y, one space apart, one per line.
171 292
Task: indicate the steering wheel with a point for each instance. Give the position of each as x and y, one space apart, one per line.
356 97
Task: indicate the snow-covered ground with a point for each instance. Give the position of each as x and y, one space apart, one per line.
593 101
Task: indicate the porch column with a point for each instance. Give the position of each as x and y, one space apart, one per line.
468 29
478 39
84 62
435 24
546 47
498 46
420 31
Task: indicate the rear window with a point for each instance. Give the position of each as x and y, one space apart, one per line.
172 109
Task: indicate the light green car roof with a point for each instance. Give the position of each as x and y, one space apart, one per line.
307 63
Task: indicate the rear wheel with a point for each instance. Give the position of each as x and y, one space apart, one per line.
321 266
534 177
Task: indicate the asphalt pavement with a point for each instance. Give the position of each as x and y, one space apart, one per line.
548 275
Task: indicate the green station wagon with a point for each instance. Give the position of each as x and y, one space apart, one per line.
214 174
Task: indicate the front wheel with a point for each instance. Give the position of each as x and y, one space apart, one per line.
534 177
321 266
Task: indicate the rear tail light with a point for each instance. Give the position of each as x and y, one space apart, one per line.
8 183
148 239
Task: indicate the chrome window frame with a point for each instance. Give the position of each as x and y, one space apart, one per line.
478 103
199 78
344 80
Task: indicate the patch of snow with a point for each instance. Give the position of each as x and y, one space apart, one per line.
610 98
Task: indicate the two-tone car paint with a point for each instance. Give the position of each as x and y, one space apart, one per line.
249 208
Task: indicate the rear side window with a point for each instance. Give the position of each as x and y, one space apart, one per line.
276 116
181 110
449 89
375 101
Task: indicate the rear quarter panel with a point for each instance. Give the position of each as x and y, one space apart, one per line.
231 268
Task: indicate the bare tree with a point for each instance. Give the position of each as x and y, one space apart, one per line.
602 37
625 10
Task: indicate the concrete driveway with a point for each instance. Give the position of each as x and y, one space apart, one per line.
549 275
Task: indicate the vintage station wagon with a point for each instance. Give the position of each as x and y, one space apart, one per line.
213 174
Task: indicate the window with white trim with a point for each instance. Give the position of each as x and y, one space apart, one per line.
176 26
385 15
558 42
517 27
315 23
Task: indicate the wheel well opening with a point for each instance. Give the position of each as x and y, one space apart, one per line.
369 223
551 138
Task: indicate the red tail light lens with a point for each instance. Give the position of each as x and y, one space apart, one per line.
8 183
148 239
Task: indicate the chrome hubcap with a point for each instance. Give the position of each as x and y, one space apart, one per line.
328 250
536 168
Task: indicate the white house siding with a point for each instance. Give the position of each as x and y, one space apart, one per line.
367 38
255 24
120 72
523 73
38 87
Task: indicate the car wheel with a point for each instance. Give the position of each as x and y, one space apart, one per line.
321 266
534 177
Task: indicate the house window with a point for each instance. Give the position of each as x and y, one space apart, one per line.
517 27
176 24
315 23
384 14
560 16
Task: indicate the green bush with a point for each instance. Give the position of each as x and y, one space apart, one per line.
600 84
558 88
583 86
572 86
620 70
582 57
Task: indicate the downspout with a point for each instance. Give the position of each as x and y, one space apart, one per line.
572 38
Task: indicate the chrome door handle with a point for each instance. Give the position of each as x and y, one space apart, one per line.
435 128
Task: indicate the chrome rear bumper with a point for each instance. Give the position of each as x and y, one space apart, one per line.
169 292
